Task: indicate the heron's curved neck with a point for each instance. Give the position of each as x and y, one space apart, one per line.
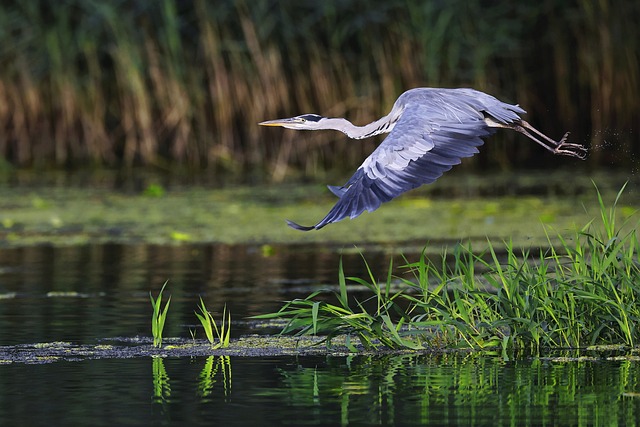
382 125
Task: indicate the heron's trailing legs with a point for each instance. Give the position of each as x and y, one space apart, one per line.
561 147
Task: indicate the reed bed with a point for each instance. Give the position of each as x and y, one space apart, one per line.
583 293
172 83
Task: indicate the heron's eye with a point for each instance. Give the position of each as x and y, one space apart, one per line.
302 119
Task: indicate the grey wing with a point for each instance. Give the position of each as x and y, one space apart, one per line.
419 149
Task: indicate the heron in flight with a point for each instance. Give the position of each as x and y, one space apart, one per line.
430 131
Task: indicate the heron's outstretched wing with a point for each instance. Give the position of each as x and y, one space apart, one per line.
422 146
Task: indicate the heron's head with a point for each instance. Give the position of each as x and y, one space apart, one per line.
303 122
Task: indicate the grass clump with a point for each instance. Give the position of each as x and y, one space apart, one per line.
583 292
158 317
210 327
350 317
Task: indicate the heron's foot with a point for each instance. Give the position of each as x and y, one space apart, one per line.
565 148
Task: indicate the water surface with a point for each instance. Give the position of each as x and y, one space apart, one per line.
83 294
87 292
449 389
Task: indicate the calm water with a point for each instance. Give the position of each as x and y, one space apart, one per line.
83 294
398 390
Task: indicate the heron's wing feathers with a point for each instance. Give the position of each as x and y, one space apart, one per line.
338 191
421 147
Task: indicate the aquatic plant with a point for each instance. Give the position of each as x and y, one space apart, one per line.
348 316
210 327
584 292
159 316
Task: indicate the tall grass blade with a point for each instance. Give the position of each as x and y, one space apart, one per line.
159 316
223 334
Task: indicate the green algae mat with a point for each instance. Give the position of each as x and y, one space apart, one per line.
460 208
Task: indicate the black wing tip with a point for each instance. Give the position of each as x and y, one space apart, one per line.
300 227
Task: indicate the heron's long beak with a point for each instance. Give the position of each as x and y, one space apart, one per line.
277 122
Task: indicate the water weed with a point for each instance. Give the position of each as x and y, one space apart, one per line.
158 317
211 328
348 317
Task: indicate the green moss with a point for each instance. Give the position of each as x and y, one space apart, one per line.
183 346
104 347
71 216
50 345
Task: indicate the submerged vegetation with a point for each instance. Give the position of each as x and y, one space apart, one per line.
167 82
586 292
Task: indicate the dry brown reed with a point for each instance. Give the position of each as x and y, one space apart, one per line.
184 83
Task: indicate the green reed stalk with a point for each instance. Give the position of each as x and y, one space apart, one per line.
158 317
223 334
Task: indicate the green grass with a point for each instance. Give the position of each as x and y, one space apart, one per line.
158 317
348 317
580 293
211 329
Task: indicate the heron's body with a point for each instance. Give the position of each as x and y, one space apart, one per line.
430 131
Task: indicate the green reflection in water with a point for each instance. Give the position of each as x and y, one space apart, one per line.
594 388
161 386
468 389
216 368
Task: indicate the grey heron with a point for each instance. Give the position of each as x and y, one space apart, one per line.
430 131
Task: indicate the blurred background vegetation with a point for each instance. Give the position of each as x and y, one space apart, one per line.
182 84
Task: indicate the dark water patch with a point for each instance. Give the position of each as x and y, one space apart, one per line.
80 295
85 292
457 183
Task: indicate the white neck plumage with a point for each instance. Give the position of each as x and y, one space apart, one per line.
382 125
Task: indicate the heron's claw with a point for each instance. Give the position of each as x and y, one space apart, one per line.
570 149
563 140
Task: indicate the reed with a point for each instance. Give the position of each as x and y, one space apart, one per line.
158 317
349 317
223 334
176 84
583 293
